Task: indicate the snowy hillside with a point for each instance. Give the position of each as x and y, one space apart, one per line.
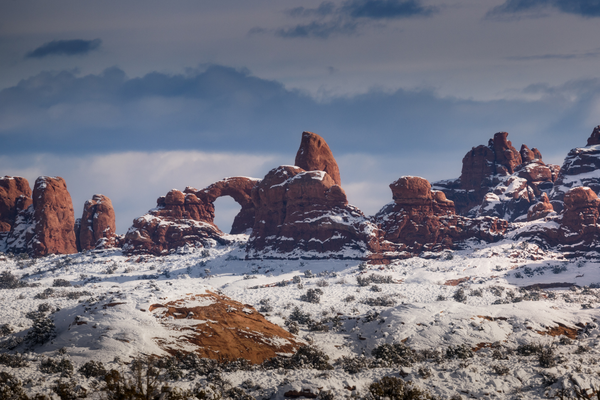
467 323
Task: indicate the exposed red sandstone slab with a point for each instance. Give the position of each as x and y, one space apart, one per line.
315 155
226 329
53 218
97 224
11 189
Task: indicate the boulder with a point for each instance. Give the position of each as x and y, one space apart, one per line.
11 189
541 209
314 155
53 218
305 214
97 225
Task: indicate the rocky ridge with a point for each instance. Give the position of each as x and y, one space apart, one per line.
302 211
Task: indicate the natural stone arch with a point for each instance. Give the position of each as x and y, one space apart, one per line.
240 189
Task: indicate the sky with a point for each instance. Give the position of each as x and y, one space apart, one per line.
132 98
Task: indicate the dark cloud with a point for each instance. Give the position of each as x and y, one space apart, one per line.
65 48
571 56
584 8
318 29
224 109
386 9
328 19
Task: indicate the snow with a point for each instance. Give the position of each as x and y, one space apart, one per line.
425 314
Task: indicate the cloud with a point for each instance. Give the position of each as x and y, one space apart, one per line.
65 48
346 19
221 109
584 8
386 9
571 56
317 29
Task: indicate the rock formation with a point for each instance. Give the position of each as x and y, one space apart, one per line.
420 220
314 155
541 209
499 181
580 168
305 214
187 217
11 189
97 224
576 231
594 138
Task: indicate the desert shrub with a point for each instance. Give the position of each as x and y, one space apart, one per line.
6 329
318 326
310 357
460 295
500 369
441 297
380 301
10 281
265 306
353 365
373 278
312 296
529 349
424 372
45 307
11 387
582 349
43 329
51 366
292 327
546 357
322 283
349 298
308 274
69 390
13 360
461 351
47 293
299 316
92 369
61 283
392 388
237 394
375 288
557 269
395 353
476 292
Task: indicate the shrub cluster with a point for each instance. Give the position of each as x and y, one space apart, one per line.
373 278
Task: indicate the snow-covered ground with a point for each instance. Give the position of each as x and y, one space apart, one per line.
442 305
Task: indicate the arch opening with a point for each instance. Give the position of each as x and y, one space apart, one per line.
226 208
